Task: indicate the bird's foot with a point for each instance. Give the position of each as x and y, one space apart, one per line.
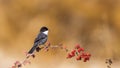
38 49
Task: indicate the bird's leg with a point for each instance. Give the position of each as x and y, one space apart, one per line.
38 49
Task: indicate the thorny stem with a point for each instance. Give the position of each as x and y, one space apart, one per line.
45 47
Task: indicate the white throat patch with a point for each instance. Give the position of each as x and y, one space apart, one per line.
45 32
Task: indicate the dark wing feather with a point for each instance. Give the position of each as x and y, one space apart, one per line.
39 37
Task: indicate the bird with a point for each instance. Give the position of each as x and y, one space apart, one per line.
40 39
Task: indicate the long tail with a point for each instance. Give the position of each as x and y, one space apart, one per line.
33 49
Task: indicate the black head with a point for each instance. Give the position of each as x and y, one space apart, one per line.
43 29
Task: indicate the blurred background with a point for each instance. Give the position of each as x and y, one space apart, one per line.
95 24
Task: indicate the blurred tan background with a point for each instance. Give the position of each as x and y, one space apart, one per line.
95 24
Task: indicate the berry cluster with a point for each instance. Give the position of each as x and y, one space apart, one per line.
79 52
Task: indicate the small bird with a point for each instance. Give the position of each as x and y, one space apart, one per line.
40 39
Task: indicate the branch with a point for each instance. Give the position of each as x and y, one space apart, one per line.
77 51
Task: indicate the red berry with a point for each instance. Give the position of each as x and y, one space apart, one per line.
79 50
85 60
84 54
77 46
73 54
73 51
69 55
82 49
78 57
88 54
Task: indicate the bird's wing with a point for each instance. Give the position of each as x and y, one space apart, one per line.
39 37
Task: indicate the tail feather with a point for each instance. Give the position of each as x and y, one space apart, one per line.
32 49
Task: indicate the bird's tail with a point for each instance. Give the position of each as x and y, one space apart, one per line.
32 49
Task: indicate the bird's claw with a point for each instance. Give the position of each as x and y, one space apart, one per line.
38 49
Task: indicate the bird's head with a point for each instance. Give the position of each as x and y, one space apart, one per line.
44 30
